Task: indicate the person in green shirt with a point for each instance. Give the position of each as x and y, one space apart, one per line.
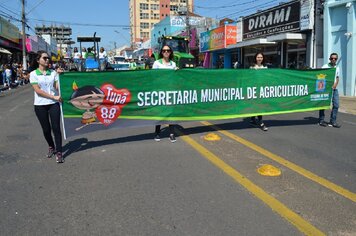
132 65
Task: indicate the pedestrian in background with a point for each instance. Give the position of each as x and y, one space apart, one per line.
102 58
19 75
165 61
258 64
77 59
335 95
7 76
84 53
46 104
132 64
90 54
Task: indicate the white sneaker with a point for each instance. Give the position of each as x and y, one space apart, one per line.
172 138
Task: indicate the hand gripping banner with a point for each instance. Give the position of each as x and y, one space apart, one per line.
102 100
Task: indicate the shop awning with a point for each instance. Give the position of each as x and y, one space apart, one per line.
5 51
286 36
259 41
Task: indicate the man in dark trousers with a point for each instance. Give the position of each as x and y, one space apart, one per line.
335 96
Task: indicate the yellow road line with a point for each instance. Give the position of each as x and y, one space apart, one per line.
326 183
301 224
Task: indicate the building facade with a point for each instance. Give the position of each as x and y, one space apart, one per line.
145 13
10 42
340 37
60 34
284 33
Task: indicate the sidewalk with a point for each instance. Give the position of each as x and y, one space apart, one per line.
348 105
6 91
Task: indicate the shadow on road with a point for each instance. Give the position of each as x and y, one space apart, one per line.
82 144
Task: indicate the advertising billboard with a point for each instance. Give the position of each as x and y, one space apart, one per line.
218 38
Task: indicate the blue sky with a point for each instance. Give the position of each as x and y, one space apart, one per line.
105 17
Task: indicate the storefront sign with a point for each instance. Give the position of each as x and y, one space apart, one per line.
218 38
283 18
306 14
231 34
9 31
182 20
103 100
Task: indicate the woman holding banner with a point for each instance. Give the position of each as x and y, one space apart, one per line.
46 102
258 64
165 61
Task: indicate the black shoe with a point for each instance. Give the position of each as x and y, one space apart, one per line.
172 138
263 126
335 125
157 138
59 157
323 123
51 152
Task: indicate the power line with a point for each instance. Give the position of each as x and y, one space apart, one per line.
6 15
35 6
79 24
10 11
221 7
238 13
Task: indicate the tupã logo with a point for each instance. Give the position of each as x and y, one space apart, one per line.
113 103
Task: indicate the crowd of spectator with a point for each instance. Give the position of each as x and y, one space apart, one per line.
12 75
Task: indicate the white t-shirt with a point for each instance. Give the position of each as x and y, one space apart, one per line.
8 73
77 55
160 65
258 67
328 65
102 55
46 83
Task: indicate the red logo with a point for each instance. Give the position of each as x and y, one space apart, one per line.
113 103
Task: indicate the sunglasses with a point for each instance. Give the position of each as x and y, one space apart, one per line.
45 58
166 50
333 58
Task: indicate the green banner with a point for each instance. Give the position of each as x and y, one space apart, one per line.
102 100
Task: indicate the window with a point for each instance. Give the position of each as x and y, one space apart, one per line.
155 16
173 8
144 16
154 7
143 6
144 34
144 25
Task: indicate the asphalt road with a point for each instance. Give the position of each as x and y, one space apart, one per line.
122 182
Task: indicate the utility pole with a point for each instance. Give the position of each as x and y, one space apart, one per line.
187 21
24 62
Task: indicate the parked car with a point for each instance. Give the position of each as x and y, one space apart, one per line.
118 63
